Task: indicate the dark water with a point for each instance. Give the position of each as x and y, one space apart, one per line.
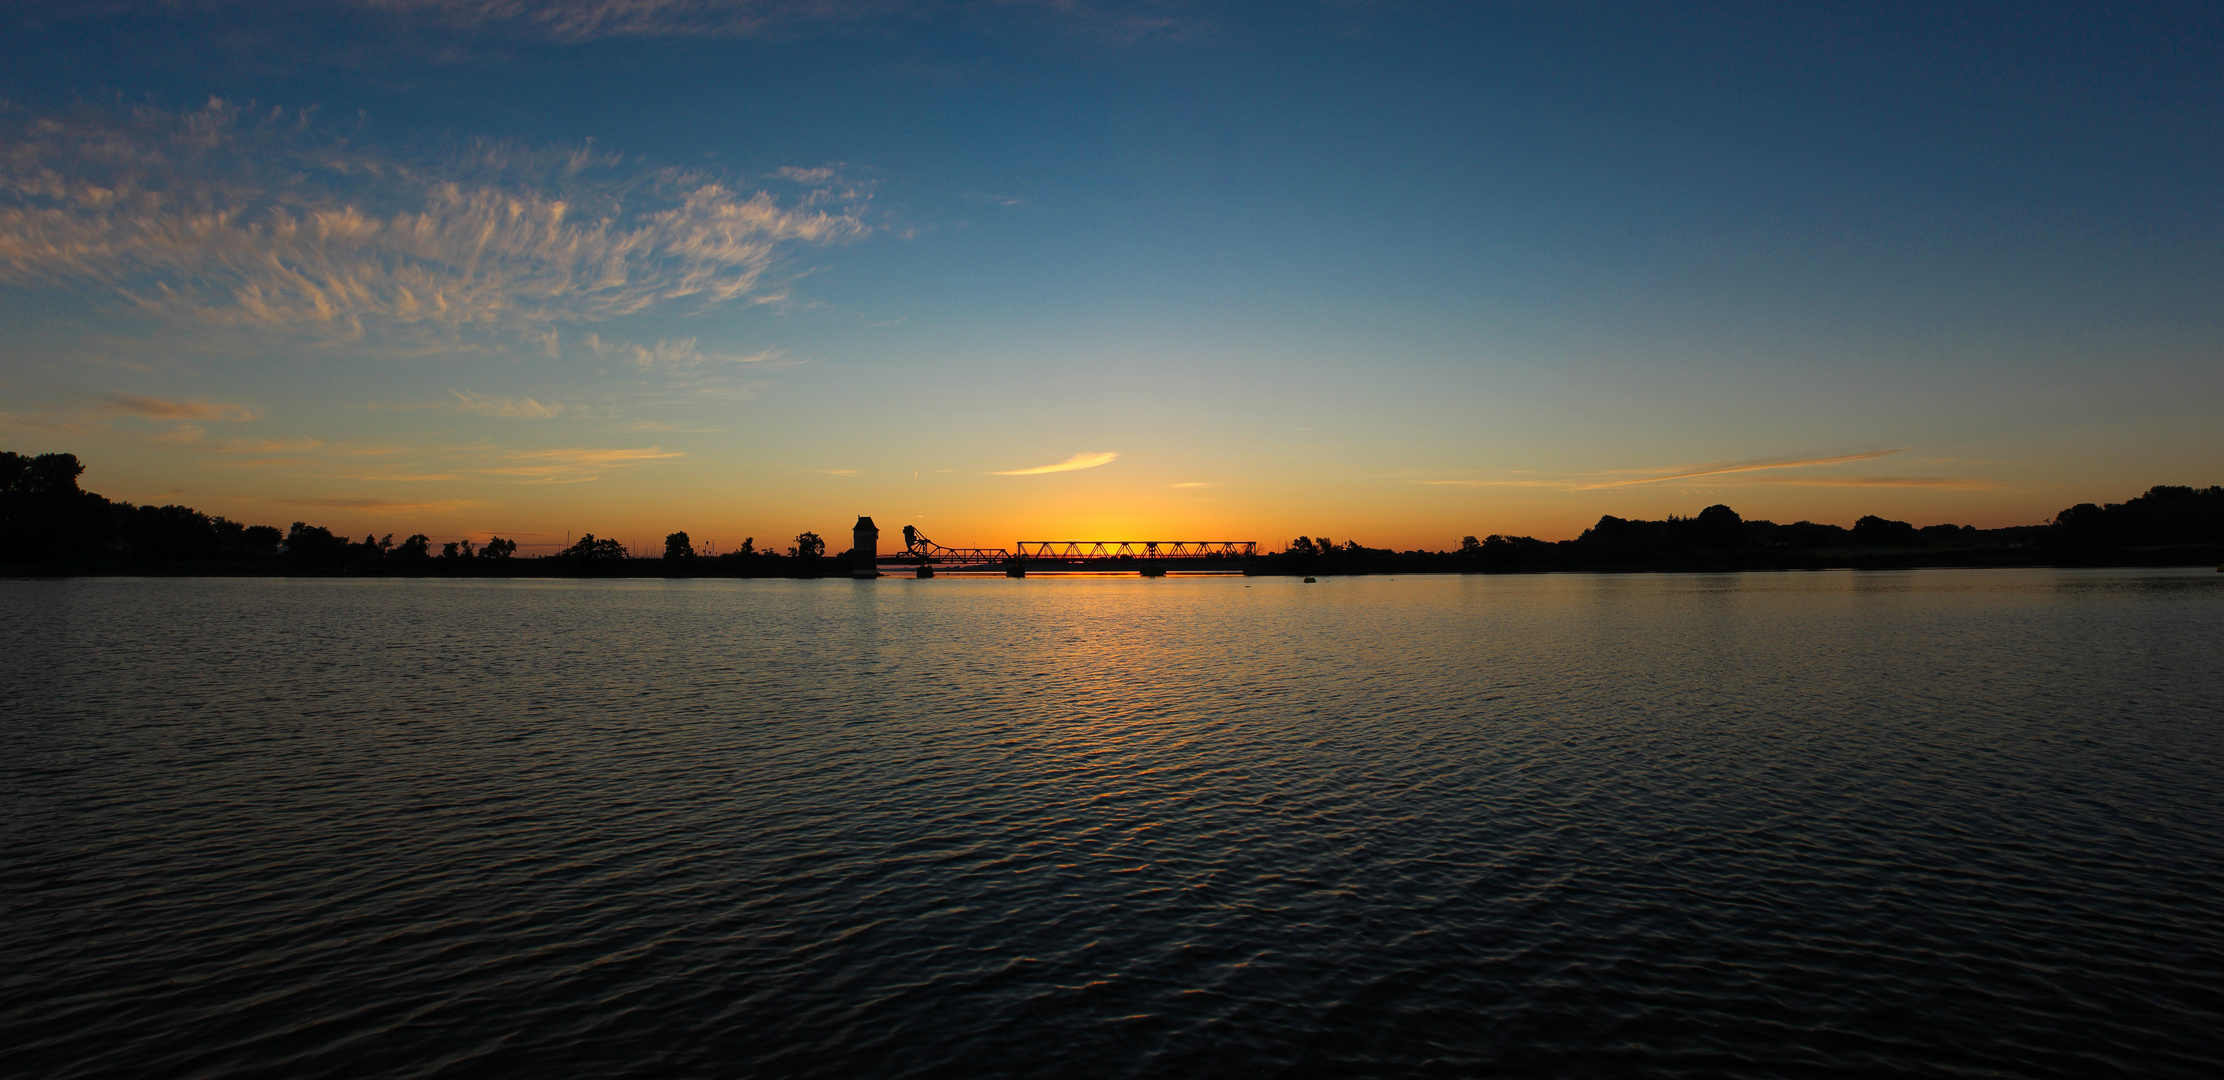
1933 822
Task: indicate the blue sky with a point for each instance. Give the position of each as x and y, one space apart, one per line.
1395 271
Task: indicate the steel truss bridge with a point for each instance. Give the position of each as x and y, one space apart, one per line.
1147 556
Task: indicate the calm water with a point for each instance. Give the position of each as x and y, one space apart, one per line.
1939 822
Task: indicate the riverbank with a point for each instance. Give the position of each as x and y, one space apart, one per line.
1278 565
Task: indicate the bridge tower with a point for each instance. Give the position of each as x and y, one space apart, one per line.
864 548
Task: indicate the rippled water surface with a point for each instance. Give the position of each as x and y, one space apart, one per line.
1939 822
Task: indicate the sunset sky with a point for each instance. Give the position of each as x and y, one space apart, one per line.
1013 270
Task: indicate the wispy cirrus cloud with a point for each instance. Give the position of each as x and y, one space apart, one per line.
260 219
676 356
513 408
573 21
586 20
85 415
1730 467
1950 483
573 465
1088 460
269 446
1736 472
154 408
265 453
386 506
52 422
391 463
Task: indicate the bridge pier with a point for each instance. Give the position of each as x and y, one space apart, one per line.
1154 571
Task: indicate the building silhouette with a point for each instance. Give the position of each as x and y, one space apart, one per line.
864 548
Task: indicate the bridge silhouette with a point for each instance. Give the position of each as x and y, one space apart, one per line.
1147 557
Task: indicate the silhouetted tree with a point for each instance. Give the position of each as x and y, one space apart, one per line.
167 533
591 550
498 548
808 545
416 549
1945 535
1516 553
260 541
370 555
1717 526
44 517
1311 554
1616 539
314 547
677 547
1800 535
1873 531
2163 516
744 559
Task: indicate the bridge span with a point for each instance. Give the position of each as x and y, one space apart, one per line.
1150 558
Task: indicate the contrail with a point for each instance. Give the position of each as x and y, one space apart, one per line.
1745 466
1088 460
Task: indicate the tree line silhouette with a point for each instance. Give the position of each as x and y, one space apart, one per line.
47 520
314 547
2181 526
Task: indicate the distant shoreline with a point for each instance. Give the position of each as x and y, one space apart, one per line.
50 527
2185 557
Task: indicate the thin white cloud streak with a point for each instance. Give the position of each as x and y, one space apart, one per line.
586 20
1725 469
512 408
675 356
385 506
87 417
269 446
386 463
1078 461
50 422
574 21
574 465
1950 483
154 408
1729 468
258 220
1494 483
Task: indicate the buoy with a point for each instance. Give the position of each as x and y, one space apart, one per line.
1308 581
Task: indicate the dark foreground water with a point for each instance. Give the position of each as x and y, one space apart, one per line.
1933 822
